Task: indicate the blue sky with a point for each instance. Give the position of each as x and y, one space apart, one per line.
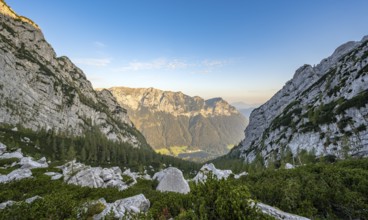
238 50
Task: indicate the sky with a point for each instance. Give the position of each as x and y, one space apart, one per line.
240 50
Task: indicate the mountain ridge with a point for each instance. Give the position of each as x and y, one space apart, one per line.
170 119
42 91
284 120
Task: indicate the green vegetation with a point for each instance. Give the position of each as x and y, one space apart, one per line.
358 101
93 149
212 200
320 191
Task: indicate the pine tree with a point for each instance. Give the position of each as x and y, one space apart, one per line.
71 152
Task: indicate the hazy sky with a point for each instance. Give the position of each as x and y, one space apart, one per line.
239 50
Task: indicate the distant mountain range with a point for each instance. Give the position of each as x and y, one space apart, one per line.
173 119
244 108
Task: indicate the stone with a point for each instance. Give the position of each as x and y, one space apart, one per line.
17 174
278 214
95 177
171 180
6 204
289 166
16 154
54 175
237 176
123 207
32 199
57 177
210 168
2 148
29 163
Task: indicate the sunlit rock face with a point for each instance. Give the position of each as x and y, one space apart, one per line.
322 109
169 119
39 90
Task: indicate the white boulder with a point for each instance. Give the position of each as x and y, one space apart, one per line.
17 174
237 176
6 204
122 207
94 177
278 214
16 154
32 199
171 180
289 166
29 163
210 168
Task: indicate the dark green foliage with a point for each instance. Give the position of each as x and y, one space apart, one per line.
286 118
327 191
343 123
212 200
358 101
93 149
361 127
222 200
8 161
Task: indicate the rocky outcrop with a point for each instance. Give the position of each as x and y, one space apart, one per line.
171 180
208 169
322 109
124 207
29 163
39 90
278 214
25 163
17 174
95 177
169 119
6 204
16 154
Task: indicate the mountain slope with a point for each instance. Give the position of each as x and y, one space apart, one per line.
41 91
169 119
322 109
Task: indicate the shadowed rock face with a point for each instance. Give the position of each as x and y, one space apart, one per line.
174 119
323 108
39 90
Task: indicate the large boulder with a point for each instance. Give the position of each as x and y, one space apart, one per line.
6 204
123 207
16 154
210 168
95 177
171 180
29 163
17 174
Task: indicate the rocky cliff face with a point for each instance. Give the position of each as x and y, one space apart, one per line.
323 108
39 90
175 119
